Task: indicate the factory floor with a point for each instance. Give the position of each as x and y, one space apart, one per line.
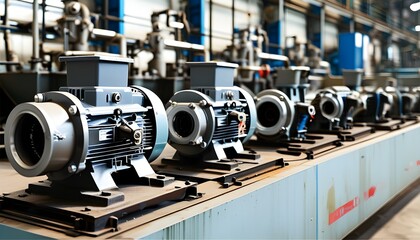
400 219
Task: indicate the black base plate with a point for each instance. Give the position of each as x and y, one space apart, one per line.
388 124
225 171
311 146
77 217
350 134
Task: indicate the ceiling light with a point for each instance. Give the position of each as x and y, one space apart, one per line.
415 6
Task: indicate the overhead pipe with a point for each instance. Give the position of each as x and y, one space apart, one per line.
43 28
35 63
211 30
233 23
111 36
85 14
6 36
322 30
123 44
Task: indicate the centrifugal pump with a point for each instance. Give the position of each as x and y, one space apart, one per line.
95 128
281 119
376 104
76 26
282 112
336 106
275 114
214 118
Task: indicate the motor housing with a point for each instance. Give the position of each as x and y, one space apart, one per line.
335 106
214 118
281 119
85 132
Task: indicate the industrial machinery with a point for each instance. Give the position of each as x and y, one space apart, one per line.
90 138
408 85
284 116
336 110
211 117
18 85
305 54
293 82
403 101
208 125
254 69
337 105
280 119
376 102
76 29
161 76
75 25
382 109
284 109
283 123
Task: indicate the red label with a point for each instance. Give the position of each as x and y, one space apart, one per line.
370 193
343 210
418 162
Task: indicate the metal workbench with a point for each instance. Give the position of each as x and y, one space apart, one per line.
322 198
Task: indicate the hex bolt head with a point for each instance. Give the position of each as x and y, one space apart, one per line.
229 95
137 135
39 97
116 97
72 109
105 194
203 145
191 105
72 168
203 103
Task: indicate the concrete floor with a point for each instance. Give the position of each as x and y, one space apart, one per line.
400 219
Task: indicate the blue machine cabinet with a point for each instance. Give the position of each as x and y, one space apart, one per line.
351 48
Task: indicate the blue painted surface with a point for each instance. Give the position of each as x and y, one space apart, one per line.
274 34
7 232
274 31
272 212
350 50
116 9
293 206
195 15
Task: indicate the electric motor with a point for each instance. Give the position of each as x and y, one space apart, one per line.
213 116
336 106
279 118
275 113
376 102
397 106
410 100
86 130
